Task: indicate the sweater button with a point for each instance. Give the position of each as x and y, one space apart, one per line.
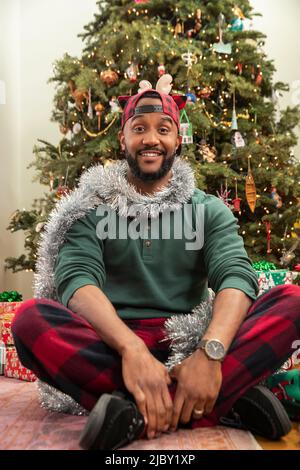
147 243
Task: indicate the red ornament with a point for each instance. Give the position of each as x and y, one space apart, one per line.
268 230
240 68
62 191
237 204
297 268
259 79
161 70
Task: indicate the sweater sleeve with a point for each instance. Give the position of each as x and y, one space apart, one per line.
226 260
80 259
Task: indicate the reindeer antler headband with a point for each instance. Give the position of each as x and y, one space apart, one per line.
170 104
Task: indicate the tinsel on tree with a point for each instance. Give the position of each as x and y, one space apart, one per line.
238 141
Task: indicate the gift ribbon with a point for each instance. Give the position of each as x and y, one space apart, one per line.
11 296
263 266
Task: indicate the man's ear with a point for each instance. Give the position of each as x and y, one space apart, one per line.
121 140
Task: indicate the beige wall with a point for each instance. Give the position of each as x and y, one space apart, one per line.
35 33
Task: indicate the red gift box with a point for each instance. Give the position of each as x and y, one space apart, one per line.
14 369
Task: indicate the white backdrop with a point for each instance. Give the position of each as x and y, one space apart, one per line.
35 33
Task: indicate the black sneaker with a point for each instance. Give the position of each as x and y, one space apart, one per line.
260 412
113 422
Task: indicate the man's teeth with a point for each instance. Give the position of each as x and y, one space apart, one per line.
150 154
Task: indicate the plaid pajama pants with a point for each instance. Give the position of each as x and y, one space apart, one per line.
63 350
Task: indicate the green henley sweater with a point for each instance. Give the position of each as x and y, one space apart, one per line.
150 278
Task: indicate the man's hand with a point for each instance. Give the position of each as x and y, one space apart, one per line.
198 385
148 379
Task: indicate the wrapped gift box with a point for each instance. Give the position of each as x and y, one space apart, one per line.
14 369
276 277
9 307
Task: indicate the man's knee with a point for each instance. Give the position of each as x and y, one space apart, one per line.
26 317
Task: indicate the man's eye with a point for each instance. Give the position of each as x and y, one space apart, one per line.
138 129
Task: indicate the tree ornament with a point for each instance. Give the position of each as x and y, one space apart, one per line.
189 59
161 69
234 124
77 128
186 129
250 188
90 112
237 140
78 95
238 23
259 78
237 201
198 22
99 110
204 93
191 98
268 231
224 195
276 198
132 72
220 47
179 28
62 191
109 77
114 105
240 68
63 129
207 153
253 72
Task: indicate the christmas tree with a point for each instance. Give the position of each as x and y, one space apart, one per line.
235 137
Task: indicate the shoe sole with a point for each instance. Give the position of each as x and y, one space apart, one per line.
94 422
283 419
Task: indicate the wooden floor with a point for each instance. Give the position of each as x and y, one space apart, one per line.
289 442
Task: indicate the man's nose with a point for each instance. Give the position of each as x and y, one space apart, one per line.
151 138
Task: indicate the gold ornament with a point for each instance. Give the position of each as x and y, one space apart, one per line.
99 109
250 189
109 77
79 95
93 134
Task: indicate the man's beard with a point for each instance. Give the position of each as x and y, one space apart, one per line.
164 169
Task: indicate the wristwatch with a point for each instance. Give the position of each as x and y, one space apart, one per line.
213 348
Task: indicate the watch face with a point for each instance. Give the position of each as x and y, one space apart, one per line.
215 349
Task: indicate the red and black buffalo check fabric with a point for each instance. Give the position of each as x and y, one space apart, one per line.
63 350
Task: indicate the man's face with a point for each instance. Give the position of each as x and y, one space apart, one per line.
150 142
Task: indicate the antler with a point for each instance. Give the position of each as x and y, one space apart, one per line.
144 85
164 84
